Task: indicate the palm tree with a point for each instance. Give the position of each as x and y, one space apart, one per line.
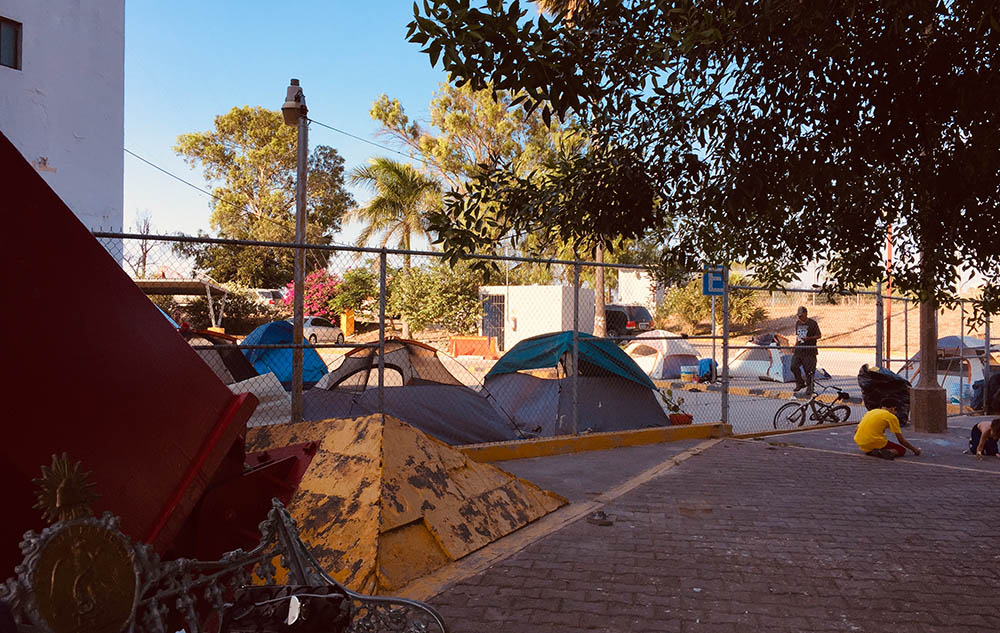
402 196
568 7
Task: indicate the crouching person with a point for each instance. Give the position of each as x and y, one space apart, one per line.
870 436
984 438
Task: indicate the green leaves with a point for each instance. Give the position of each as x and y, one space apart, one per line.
774 133
250 159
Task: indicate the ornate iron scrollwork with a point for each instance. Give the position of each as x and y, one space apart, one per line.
124 586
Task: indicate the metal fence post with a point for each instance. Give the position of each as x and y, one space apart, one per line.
725 345
576 340
961 359
381 331
986 368
906 332
879 326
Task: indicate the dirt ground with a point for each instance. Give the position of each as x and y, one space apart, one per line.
853 323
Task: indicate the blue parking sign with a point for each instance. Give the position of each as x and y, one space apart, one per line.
712 283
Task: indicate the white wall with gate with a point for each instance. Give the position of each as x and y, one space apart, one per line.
532 310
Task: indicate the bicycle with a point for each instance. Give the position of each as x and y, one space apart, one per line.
793 414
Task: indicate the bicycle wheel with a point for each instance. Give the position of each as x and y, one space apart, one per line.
791 415
835 415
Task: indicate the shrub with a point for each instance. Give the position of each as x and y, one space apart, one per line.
687 303
321 288
358 292
438 295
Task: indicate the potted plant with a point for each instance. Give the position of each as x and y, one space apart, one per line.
673 407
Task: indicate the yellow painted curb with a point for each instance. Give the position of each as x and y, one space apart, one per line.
561 445
437 581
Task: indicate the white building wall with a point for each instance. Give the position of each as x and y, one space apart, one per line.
534 310
636 287
65 108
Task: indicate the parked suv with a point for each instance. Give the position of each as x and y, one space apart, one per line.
625 320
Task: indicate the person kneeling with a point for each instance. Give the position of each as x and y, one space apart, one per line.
870 436
984 438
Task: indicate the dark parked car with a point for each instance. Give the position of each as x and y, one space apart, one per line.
625 320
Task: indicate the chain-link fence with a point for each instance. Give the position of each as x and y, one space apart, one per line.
520 348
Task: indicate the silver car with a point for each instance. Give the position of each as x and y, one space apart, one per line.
321 330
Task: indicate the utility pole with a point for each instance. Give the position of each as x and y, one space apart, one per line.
294 113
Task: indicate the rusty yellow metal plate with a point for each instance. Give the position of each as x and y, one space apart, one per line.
383 503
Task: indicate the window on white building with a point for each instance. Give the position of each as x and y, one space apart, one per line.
10 43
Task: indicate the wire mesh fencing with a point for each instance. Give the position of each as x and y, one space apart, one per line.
524 347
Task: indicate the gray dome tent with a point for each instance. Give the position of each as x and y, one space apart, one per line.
420 387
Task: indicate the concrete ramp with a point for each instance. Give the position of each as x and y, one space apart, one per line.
383 503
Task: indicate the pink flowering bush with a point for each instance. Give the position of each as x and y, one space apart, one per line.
321 288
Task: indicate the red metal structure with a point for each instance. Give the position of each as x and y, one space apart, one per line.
113 385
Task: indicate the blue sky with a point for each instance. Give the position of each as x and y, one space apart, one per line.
186 62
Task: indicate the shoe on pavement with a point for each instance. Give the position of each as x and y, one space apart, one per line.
883 453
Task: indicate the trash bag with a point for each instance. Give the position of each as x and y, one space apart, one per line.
707 370
883 388
987 399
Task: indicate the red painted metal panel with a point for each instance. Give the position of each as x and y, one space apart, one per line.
94 370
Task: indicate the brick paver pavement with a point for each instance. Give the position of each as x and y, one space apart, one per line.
753 537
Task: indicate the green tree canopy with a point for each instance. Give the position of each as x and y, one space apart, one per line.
250 159
769 132
472 128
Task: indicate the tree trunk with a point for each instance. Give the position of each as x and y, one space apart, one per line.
928 406
600 323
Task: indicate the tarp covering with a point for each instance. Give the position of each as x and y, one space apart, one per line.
451 413
279 361
544 406
224 358
598 357
960 364
661 355
765 358
274 403
382 504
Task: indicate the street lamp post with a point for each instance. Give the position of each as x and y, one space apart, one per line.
294 113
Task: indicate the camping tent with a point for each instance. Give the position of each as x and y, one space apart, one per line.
279 360
223 357
420 387
612 392
661 354
765 357
959 363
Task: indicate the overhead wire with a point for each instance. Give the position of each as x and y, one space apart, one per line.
275 221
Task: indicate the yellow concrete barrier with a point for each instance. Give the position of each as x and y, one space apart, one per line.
561 445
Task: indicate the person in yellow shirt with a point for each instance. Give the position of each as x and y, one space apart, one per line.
870 436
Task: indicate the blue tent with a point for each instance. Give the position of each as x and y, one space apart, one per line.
279 361
598 356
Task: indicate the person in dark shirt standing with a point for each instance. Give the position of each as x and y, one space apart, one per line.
804 358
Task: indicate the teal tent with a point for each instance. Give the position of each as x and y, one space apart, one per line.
609 393
598 357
